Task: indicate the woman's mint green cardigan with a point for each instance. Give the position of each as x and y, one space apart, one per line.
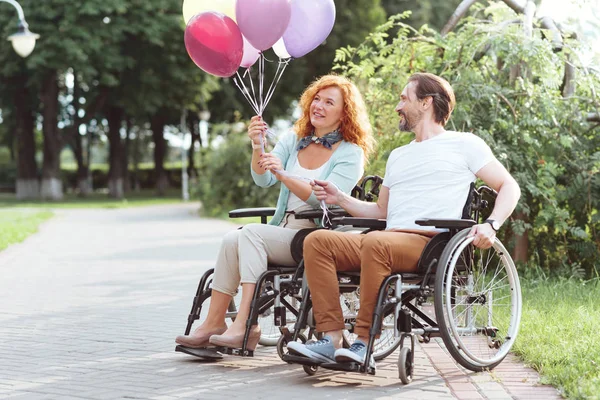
344 170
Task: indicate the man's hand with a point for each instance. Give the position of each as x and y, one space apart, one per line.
326 191
484 235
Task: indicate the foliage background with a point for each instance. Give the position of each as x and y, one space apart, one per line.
540 136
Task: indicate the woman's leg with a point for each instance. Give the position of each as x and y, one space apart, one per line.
258 245
239 325
226 280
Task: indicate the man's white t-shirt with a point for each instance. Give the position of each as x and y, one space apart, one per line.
431 179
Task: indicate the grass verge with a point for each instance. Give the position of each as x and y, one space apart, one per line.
560 334
95 200
15 226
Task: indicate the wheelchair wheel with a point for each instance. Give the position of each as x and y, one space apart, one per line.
270 333
385 345
477 302
310 369
282 344
231 313
405 365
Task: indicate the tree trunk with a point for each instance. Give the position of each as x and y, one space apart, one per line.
528 22
568 83
193 126
517 5
116 185
557 41
157 125
126 148
28 185
84 186
460 11
51 181
521 252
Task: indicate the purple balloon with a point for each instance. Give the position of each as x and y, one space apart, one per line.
263 22
311 23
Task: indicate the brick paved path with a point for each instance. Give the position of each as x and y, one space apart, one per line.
90 306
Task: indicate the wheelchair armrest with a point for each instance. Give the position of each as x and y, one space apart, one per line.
252 212
313 214
371 223
447 223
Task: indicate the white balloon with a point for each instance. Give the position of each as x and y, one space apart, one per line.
280 50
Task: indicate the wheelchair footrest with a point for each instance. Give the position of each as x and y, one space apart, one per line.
236 352
348 367
292 359
206 353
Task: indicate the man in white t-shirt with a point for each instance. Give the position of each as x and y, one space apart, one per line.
428 178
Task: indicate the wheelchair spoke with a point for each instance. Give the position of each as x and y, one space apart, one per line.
480 304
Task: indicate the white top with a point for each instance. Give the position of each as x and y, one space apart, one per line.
431 179
294 202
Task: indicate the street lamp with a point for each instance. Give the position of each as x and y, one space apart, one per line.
24 40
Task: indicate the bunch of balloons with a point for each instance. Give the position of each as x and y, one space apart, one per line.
223 35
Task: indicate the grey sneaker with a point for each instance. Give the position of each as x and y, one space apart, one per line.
356 353
320 351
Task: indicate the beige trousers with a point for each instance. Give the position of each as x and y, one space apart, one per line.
376 255
245 252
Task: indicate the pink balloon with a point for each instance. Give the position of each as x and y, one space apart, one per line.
250 54
263 22
214 42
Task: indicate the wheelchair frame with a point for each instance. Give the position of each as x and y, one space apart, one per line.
418 287
271 287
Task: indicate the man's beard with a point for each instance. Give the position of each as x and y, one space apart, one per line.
408 123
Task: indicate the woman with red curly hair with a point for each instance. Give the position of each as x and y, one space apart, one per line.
332 141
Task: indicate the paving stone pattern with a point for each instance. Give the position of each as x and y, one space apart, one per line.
90 307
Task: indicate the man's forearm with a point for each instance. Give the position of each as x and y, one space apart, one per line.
508 197
362 209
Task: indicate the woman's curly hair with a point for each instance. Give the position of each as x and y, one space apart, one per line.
354 126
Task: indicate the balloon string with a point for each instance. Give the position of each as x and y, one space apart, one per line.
239 82
261 78
281 66
254 94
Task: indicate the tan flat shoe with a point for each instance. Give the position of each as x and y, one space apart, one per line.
198 341
236 341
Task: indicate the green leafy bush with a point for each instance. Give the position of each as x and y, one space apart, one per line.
225 182
508 90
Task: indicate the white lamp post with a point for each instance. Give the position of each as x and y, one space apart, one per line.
24 40
204 116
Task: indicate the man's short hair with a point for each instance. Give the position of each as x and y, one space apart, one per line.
441 92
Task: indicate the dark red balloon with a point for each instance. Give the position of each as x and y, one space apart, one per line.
214 42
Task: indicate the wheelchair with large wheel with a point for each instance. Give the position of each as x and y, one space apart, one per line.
476 296
276 299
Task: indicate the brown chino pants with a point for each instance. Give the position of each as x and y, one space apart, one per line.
376 255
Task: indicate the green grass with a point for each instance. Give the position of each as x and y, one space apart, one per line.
95 200
15 226
560 334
